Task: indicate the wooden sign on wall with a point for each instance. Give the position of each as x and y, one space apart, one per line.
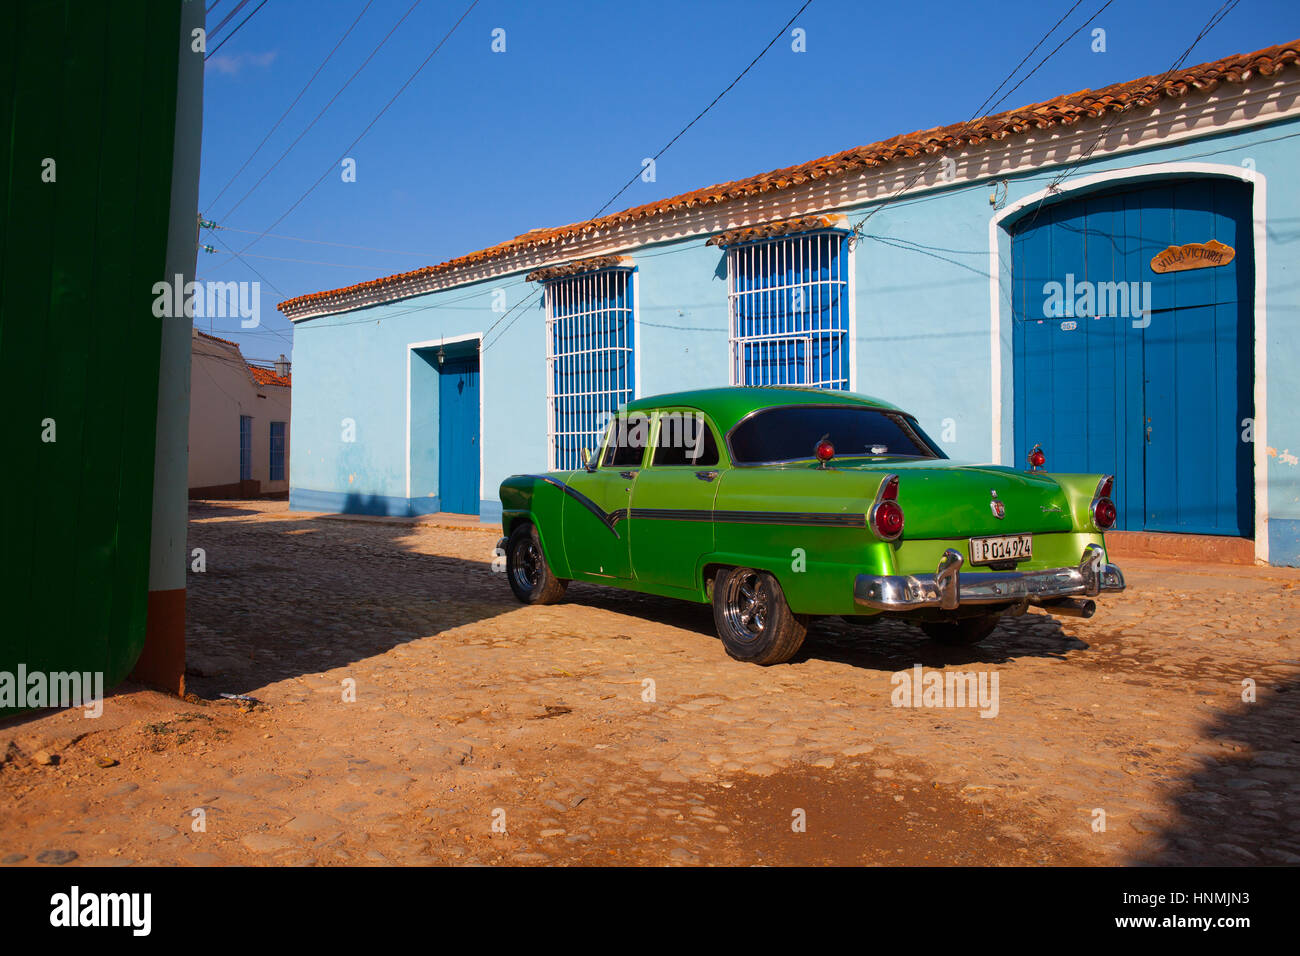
1193 255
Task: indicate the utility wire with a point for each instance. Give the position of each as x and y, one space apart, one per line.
217 29
322 242
780 33
409 80
857 228
1215 19
310 262
283 115
230 212
234 31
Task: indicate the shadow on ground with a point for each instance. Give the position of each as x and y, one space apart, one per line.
1242 805
878 645
321 595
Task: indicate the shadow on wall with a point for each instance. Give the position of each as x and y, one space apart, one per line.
359 504
1245 795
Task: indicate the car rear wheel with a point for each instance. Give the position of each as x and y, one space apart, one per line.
529 575
753 620
969 630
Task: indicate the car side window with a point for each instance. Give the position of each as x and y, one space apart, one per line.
625 446
685 438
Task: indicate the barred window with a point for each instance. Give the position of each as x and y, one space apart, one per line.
277 451
590 360
245 447
788 300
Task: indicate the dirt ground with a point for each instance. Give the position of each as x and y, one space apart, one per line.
406 709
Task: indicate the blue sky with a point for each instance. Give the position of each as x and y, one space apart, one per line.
482 145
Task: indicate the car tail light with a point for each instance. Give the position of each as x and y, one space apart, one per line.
1104 511
1037 458
886 513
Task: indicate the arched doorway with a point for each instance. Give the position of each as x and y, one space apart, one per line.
1141 371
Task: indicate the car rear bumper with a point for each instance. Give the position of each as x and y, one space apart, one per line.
950 587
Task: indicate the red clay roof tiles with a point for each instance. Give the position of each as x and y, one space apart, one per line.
1061 111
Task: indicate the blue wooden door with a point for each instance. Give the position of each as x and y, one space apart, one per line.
1147 376
458 437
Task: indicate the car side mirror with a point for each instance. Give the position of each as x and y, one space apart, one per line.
588 462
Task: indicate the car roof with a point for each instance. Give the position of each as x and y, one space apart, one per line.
726 406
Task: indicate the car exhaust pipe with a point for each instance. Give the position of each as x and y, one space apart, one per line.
1071 607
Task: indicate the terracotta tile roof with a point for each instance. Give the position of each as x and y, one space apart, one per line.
268 376
577 266
1062 111
215 338
783 228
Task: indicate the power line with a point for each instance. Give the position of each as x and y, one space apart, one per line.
230 212
409 80
229 16
322 242
1215 19
979 111
283 115
780 33
857 228
263 278
234 31
310 262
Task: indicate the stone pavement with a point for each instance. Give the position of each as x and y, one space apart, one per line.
406 709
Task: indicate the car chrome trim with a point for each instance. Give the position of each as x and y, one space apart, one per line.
950 588
801 518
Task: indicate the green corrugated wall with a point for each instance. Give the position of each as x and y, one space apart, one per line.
93 87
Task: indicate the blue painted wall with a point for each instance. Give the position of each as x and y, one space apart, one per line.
921 292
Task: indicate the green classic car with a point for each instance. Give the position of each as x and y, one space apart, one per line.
777 505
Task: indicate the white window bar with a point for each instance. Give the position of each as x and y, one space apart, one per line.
789 311
589 360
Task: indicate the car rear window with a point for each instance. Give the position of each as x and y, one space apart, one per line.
791 433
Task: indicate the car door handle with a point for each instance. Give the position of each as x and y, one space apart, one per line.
627 474
706 475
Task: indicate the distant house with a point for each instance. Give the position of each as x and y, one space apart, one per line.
239 422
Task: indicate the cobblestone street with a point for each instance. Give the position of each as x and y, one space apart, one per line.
612 728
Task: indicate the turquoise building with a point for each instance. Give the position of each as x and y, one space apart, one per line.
1111 274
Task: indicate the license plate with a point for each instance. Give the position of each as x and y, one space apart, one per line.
1011 547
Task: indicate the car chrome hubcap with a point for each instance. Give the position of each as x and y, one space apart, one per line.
748 604
528 566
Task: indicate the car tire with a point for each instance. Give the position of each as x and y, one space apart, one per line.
968 630
527 571
753 619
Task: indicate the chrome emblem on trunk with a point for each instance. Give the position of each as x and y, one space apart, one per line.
998 508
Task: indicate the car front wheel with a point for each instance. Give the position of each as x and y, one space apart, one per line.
753 620
529 575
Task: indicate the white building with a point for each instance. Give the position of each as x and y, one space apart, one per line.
239 422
